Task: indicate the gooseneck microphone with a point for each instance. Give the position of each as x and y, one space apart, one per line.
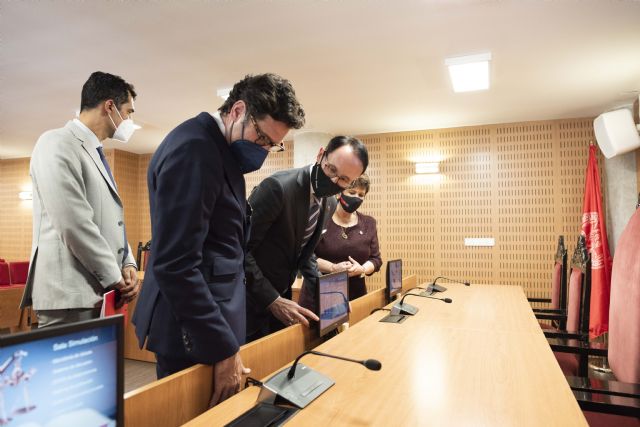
447 300
371 364
451 280
434 287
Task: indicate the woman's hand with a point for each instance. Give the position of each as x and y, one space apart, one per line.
356 269
341 266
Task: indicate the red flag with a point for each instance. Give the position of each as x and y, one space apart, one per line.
595 232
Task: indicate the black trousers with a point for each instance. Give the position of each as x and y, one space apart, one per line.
166 366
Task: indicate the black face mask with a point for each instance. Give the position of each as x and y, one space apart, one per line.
350 204
322 184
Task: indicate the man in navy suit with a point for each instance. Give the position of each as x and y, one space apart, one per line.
192 305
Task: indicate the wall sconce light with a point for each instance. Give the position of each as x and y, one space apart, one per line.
25 195
431 168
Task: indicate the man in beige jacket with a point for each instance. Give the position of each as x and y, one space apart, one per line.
79 248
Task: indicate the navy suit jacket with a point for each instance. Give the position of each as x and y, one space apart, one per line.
192 303
275 254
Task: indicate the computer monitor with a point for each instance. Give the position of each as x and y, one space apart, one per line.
333 301
394 278
69 375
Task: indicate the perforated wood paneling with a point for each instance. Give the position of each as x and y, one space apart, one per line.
125 168
520 183
375 204
142 205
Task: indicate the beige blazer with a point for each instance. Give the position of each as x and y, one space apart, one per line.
78 220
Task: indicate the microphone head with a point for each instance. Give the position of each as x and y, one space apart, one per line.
448 300
372 364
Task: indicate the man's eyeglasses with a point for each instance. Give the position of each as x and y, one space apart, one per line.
263 139
332 172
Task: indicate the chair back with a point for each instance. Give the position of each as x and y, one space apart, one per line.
141 258
559 277
579 289
5 280
624 306
19 271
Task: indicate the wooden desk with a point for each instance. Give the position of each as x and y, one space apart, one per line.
479 307
481 361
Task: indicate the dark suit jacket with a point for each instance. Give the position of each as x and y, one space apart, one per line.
192 303
280 207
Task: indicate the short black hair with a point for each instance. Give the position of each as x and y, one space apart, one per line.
104 86
362 182
358 148
267 94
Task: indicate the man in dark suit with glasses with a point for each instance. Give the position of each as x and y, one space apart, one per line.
290 209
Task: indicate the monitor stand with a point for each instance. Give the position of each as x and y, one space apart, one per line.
302 389
404 308
436 288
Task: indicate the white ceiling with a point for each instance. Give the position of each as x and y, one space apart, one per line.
358 66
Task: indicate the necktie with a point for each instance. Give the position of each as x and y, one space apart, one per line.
106 165
314 213
113 181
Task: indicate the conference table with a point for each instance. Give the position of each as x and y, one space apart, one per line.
480 361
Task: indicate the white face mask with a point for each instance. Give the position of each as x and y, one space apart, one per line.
124 130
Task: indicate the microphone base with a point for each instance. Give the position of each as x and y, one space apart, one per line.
394 318
434 287
405 308
298 391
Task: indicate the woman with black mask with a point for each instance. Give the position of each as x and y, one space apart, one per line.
351 240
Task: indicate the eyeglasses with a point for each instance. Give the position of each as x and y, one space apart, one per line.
263 139
332 172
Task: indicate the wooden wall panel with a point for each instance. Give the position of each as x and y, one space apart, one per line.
125 170
525 214
520 183
465 198
15 214
143 201
375 204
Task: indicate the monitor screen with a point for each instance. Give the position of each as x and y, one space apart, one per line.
333 301
69 375
394 278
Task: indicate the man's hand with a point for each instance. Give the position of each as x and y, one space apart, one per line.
289 312
227 377
128 285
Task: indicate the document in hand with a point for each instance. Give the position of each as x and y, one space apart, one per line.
109 306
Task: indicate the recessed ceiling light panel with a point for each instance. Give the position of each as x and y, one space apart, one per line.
469 73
